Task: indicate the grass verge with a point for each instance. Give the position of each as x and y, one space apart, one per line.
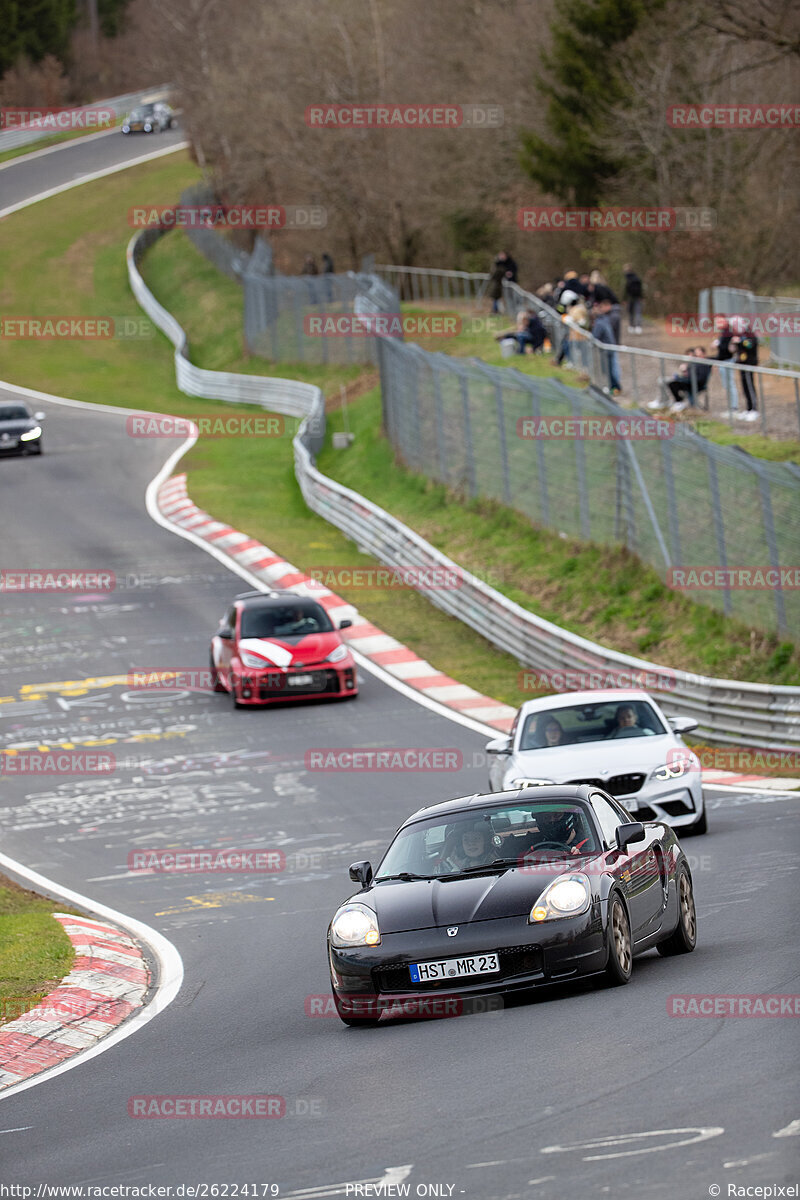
35 952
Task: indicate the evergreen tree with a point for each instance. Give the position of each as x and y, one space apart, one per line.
584 82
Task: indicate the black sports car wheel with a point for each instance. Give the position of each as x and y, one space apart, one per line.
620 949
684 938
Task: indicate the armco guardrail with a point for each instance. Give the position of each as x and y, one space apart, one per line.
12 139
731 712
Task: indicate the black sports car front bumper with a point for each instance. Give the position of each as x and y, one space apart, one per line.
370 980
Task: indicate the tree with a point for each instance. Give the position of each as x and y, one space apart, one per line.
584 84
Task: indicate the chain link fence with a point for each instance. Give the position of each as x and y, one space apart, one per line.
643 374
674 499
671 497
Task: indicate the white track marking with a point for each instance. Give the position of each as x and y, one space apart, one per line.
790 1130
170 970
378 1186
697 1134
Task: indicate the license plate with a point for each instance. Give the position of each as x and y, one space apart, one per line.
299 680
450 968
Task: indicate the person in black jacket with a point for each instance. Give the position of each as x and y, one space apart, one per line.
745 350
633 295
689 380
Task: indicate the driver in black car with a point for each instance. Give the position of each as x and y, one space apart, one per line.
555 829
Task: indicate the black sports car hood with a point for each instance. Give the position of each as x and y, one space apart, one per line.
426 904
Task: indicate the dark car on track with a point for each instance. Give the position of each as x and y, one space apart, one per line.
20 431
277 646
149 118
502 893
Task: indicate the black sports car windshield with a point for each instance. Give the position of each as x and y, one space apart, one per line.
579 723
14 413
285 621
490 839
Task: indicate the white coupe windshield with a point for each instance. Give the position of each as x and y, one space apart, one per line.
609 720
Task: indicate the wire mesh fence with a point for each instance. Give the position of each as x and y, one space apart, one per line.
578 463
570 460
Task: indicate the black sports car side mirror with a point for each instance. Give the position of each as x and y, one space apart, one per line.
345 624
633 831
225 632
361 872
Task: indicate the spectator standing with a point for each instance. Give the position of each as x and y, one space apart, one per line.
309 265
327 264
599 290
722 343
745 347
603 331
634 293
496 278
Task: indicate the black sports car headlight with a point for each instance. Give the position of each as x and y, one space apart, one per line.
568 896
355 925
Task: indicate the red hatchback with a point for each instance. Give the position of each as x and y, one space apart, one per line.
274 646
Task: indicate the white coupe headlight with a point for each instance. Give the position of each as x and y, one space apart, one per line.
31 435
680 765
337 655
355 925
567 896
252 660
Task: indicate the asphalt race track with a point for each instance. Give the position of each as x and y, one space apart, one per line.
579 1091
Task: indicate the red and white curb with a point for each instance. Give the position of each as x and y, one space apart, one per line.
108 981
380 648
177 509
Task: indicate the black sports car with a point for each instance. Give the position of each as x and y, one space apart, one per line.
503 892
20 433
